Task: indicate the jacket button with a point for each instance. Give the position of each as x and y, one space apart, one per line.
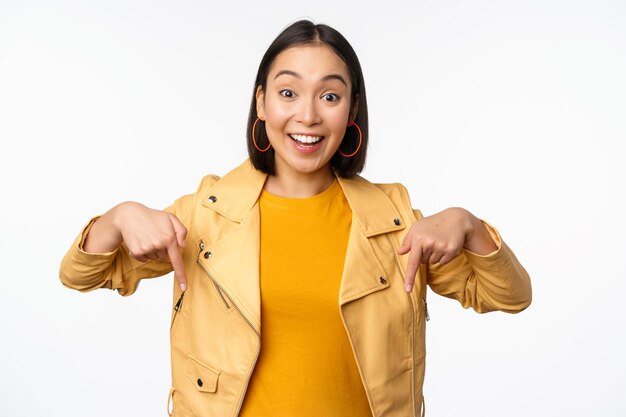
199 382
382 280
396 222
212 199
201 245
207 254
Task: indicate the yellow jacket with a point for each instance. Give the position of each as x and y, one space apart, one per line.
215 327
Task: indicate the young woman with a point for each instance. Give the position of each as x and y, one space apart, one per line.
302 286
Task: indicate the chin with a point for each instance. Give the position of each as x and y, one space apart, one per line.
307 167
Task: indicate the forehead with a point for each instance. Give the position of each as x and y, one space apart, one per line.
310 61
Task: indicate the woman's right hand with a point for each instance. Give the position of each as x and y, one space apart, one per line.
147 233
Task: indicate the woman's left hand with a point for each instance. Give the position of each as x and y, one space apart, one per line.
441 237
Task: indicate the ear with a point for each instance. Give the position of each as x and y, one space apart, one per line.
355 108
260 103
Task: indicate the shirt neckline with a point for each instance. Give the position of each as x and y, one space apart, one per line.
316 200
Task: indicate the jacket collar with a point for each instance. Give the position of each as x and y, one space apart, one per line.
235 196
236 193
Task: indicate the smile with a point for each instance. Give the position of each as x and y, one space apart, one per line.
305 138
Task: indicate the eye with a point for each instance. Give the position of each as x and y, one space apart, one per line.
287 93
330 97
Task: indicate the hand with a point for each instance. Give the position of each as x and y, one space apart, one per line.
435 239
152 234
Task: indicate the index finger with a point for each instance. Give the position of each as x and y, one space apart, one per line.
179 229
177 263
415 257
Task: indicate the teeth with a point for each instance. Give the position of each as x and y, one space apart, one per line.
306 139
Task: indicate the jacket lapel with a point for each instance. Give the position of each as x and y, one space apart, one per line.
234 264
373 214
234 261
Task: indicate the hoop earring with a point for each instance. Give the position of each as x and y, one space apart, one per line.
254 139
360 141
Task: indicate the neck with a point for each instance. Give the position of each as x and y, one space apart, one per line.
299 185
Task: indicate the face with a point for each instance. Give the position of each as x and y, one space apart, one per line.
306 108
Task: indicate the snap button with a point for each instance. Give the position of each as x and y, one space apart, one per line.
212 199
201 245
207 254
382 280
201 375
396 221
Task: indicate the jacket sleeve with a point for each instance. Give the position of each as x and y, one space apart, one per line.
496 281
117 270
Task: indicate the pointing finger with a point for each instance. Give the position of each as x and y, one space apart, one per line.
413 263
177 263
179 229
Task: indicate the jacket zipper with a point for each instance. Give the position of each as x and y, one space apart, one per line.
215 284
220 290
397 261
217 287
177 307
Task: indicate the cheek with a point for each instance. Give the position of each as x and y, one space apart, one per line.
276 113
337 120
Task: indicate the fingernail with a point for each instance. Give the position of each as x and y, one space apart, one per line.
408 287
182 286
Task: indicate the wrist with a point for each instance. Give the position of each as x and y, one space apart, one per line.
478 240
113 216
474 226
116 217
467 221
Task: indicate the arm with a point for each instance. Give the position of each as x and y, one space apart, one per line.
99 258
485 275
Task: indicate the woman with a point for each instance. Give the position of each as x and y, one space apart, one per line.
294 249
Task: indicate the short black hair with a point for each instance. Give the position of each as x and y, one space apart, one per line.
305 32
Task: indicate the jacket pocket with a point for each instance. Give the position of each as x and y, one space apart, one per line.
203 376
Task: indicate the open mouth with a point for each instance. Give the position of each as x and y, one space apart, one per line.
305 139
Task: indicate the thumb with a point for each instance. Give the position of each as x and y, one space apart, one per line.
406 246
179 267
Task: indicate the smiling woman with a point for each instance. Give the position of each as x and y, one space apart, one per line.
303 62
306 111
304 284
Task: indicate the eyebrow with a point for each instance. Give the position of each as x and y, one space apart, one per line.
325 78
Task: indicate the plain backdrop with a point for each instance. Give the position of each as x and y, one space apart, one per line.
514 110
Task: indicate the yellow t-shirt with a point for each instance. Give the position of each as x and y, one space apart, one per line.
306 366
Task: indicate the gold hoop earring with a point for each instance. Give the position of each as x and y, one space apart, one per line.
269 145
360 141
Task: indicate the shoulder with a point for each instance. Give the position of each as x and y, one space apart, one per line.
207 182
395 191
183 204
373 199
399 194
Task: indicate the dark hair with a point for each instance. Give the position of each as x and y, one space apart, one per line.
305 32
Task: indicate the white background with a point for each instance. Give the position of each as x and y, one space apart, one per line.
514 110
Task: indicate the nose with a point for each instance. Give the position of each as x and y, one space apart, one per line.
308 113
